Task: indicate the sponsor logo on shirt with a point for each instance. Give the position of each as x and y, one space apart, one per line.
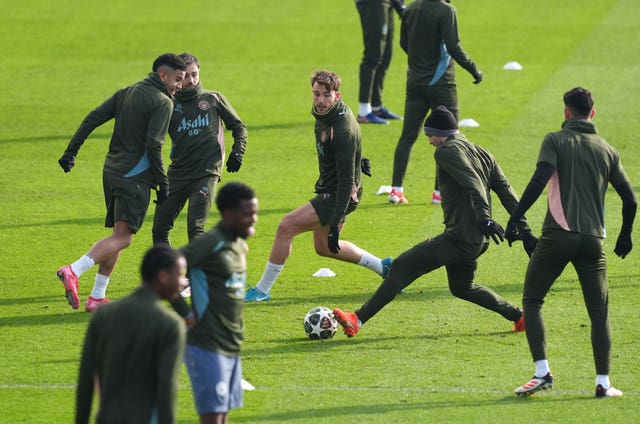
193 127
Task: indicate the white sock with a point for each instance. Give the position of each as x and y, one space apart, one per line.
371 262
542 368
268 279
364 109
80 266
398 189
100 286
603 380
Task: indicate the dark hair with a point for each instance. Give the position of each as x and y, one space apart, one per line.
171 60
580 101
330 80
231 194
189 59
158 258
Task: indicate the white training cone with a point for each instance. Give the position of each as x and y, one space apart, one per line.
324 272
468 122
384 190
246 385
512 66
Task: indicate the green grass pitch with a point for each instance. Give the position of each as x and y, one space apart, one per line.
427 357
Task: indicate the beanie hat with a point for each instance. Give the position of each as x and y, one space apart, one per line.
441 122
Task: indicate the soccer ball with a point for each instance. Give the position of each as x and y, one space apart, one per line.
320 324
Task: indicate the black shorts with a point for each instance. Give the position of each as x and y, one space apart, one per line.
126 199
325 203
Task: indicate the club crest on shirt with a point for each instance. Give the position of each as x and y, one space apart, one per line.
323 136
204 105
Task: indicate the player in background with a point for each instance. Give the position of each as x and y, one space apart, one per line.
133 348
377 21
578 165
132 168
197 153
429 36
217 263
338 190
467 174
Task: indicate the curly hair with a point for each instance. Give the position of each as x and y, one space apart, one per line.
330 80
232 194
170 60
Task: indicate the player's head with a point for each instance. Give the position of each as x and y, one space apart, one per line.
192 76
170 68
440 125
164 270
578 103
238 206
325 86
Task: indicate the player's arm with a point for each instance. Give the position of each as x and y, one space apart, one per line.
449 26
156 133
404 35
538 182
170 351
103 113
624 242
238 130
346 157
86 377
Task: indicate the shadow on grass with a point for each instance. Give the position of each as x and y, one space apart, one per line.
71 317
401 407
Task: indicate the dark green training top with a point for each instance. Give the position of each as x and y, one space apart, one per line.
217 273
134 347
142 112
197 135
467 173
338 145
429 36
585 165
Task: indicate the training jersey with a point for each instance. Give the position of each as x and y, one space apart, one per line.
142 112
197 134
466 175
217 273
338 145
134 345
429 36
584 166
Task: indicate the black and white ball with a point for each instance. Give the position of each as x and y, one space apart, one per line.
320 324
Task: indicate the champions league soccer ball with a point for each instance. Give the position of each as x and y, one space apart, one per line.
319 323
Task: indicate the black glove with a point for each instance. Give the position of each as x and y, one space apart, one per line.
529 241
512 233
399 6
477 77
365 166
334 239
623 244
234 162
67 161
161 194
492 229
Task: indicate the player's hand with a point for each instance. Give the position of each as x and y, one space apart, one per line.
399 6
234 162
161 194
529 241
365 166
477 77
623 244
66 162
492 229
334 239
512 233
